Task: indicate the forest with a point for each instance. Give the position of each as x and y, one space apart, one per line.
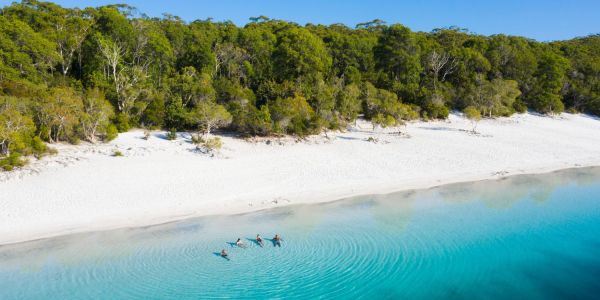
68 75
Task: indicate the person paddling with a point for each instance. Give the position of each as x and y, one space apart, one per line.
259 240
240 244
224 254
277 240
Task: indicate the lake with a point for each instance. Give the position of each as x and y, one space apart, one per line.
527 236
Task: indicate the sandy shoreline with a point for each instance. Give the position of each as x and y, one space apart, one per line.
84 188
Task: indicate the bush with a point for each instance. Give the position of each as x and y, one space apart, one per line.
39 148
154 115
175 114
209 144
473 114
172 134
214 143
122 122
44 133
117 153
38 145
292 115
12 161
519 106
111 133
249 120
74 140
436 111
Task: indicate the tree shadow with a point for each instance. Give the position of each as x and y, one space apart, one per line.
595 118
441 128
162 136
349 138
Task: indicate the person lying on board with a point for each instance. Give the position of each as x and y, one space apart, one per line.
277 240
259 240
240 244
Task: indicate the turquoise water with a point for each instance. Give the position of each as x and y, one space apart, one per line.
534 237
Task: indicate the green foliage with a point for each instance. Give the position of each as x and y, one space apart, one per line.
172 134
68 74
473 115
96 116
176 114
117 153
209 115
249 120
382 106
208 144
582 89
348 103
292 115
111 133
299 53
398 57
154 115
39 147
122 122
59 111
519 106
11 162
545 97
435 111
496 97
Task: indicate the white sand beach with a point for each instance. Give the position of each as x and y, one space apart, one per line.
85 188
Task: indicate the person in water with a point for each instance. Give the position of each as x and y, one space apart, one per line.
259 240
224 253
277 240
240 244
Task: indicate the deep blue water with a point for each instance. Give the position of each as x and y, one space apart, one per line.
522 237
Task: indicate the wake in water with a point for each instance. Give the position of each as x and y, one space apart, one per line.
533 237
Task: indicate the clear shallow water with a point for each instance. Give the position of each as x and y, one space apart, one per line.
521 237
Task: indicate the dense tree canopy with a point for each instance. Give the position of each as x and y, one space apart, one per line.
70 74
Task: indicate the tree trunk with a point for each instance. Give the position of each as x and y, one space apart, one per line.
4 148
207 130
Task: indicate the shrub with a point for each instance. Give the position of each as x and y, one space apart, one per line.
74 140
111 133
39 148
292 115
122 122
436 111
208 144
38 145
473 114
249 120
519 106
172 134
12 161
117 153
214 143
572 110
